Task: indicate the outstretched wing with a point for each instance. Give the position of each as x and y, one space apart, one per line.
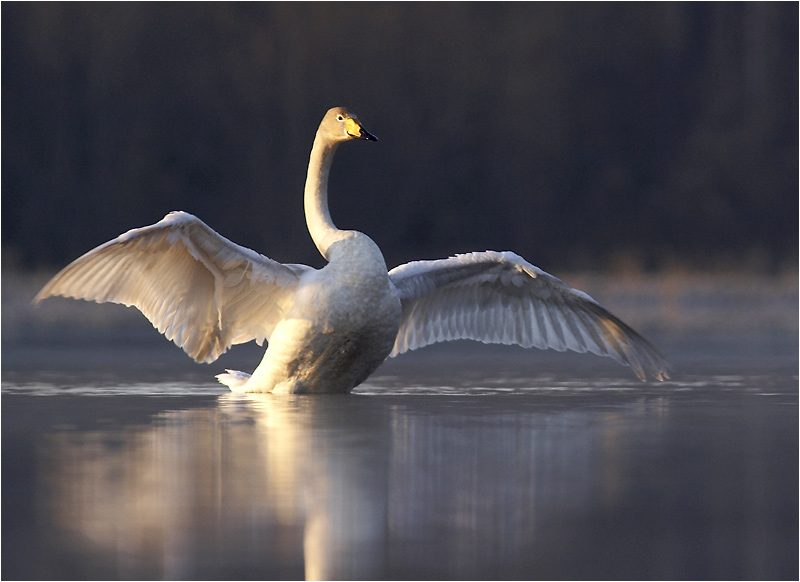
501 298
199 289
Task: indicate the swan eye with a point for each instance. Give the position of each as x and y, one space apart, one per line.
340 117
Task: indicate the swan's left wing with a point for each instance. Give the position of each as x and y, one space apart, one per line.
501 298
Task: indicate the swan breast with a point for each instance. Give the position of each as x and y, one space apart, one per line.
343 322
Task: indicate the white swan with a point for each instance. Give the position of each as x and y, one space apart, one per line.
329 329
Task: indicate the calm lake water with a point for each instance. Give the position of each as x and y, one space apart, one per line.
123 459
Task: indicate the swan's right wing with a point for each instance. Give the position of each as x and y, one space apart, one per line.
199 289
501 298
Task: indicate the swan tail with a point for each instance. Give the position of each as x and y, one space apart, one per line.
234 379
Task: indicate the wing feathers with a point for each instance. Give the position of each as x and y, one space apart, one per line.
199 289
501 298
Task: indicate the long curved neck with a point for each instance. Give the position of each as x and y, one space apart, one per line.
318 217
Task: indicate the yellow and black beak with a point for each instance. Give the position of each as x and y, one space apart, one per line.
355 130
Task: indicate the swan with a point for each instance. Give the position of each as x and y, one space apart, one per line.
328 329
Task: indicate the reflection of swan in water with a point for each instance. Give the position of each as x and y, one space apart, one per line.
258 486
329 329
274 487
327 465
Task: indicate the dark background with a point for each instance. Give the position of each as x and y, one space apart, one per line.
583 136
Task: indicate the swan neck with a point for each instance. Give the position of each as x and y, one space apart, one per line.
318 217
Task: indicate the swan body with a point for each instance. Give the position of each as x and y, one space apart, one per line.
328 329
341 325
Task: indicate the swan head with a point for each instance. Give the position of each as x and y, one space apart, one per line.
340 125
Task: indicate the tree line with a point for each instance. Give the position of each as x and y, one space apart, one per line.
578 135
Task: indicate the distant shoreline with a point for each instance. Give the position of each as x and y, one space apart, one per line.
677 301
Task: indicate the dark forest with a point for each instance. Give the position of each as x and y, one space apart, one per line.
582 136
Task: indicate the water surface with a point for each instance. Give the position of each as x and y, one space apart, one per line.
126 460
